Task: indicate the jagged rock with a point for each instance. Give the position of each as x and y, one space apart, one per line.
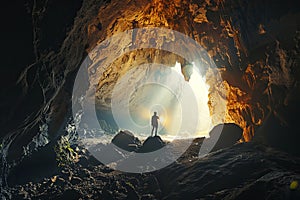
207 178
151 144
126 140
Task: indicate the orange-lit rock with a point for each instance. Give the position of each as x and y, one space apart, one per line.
248 84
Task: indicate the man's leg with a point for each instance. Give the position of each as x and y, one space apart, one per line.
155 130
152 131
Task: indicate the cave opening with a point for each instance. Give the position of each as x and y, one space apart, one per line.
160 88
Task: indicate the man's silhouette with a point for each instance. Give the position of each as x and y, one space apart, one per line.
154 123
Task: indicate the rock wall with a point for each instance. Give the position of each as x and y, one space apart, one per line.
254 60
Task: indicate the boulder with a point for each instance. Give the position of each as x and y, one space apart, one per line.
226 135
127 141
151 144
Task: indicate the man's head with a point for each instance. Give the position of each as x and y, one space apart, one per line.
155 113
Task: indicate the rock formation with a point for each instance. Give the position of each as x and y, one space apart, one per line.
255 45
151 144
226 135
127 141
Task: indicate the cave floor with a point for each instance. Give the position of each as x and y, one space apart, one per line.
244 171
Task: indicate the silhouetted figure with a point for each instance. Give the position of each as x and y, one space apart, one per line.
154 123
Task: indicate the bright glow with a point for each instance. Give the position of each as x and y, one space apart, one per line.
181 103
161 119
200 89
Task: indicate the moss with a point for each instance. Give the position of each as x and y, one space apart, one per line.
129 184
65 155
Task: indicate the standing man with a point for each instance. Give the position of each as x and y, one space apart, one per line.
154 123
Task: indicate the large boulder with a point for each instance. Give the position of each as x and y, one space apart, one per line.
225 135
127 141
151 144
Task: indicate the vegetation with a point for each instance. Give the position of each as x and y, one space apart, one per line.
65 155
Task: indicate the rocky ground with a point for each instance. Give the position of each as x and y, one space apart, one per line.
242 171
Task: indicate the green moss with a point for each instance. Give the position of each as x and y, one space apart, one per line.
65 155
130 184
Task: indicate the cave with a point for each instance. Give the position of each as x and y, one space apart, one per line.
238 58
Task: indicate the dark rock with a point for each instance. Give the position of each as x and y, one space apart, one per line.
226 135
148 197
22 194
83 161
126 140
76 180
93 161
193 151
106 194
40 164
151 144
107 170
60 181
102 178
84 173
70 194
279 135
153 185
131 193
254 173
66 174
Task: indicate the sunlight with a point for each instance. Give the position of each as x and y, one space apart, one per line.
200 89
182 105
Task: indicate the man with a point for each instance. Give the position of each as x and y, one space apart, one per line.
154 123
